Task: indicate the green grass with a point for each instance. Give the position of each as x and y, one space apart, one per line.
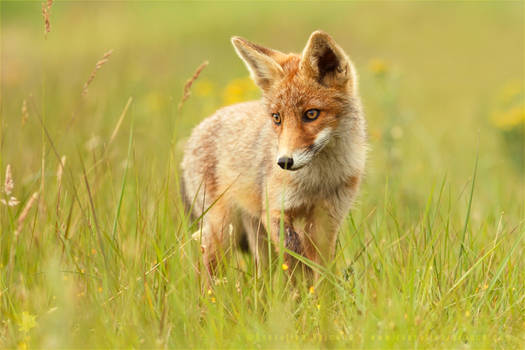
431 256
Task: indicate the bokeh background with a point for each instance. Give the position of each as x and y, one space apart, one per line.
448 70
441 83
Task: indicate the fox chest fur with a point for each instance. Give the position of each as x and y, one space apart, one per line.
300 151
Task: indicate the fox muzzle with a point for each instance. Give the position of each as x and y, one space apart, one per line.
285 163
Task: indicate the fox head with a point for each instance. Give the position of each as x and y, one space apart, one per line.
305 95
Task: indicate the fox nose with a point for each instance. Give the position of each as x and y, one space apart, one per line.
285 162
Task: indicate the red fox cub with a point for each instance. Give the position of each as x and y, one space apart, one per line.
295 157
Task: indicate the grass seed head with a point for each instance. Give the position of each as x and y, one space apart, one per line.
189 83
46 7
9 183
98 65
13 202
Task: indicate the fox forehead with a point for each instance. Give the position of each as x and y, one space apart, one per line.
297 91
299 94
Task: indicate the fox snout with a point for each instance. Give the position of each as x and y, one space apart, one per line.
285 163
295 160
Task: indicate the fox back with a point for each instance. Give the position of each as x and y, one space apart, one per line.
301 149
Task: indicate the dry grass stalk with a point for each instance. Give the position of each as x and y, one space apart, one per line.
99 64
120 119
25 113
46 10
60 171
9 183
189 83
25 212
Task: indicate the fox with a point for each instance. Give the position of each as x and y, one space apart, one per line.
287 166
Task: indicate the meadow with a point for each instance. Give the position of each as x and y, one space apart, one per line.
95 248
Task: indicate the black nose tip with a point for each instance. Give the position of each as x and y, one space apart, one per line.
285 162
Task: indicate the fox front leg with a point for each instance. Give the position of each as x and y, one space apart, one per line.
214 239
292 239
257 241
321 235
326 219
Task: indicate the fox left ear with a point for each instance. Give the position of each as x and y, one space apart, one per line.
326 62
260 61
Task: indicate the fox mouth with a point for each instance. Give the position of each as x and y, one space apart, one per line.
295 168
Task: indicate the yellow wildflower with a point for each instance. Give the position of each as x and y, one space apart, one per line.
285 267
239 90
311 290
378 66
26 322
508 119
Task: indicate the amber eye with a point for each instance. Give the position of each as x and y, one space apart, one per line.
311 114
276 118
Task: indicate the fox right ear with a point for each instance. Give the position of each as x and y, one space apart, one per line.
260 61
326 62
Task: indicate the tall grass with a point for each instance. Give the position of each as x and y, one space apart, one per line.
99 253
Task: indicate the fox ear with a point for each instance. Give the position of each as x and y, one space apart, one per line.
260 61
326 62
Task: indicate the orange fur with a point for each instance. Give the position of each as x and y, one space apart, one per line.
231 159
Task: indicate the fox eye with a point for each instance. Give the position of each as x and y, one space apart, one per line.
276 118
311 114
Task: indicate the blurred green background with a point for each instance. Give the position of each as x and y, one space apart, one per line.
451 63
441 83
